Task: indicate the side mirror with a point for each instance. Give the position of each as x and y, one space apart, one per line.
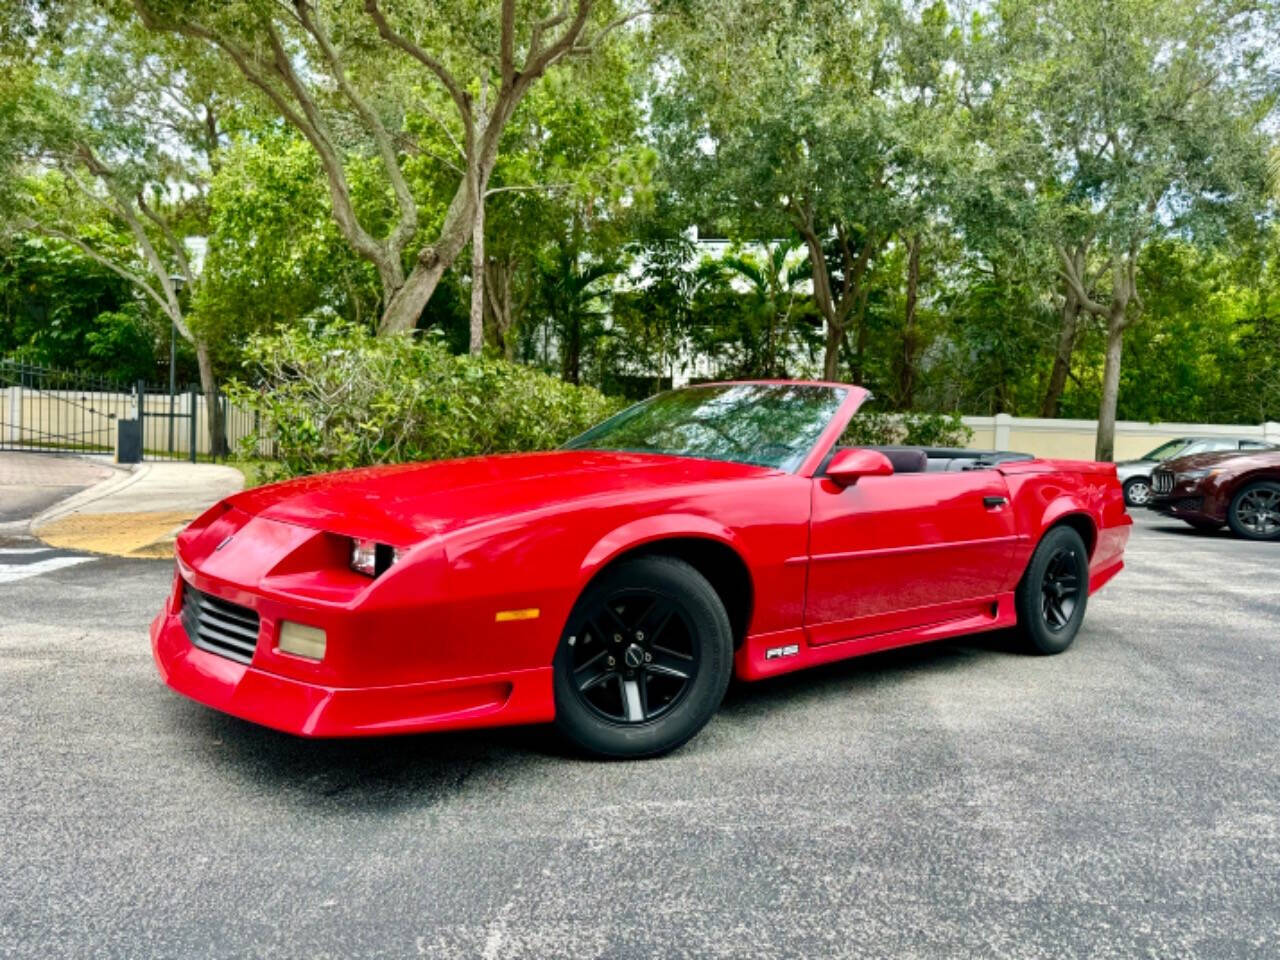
853 462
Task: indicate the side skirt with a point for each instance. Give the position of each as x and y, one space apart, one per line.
771 654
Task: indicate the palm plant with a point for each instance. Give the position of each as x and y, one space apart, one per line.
774 298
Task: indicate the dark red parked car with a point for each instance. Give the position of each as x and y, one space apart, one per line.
1210 489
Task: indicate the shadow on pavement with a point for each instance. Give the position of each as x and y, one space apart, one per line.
845 677
383 773
1180 529
376 773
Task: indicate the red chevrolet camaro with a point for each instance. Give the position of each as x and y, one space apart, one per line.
614 585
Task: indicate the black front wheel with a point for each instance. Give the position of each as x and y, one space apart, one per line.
645 659
1255 511
1054 591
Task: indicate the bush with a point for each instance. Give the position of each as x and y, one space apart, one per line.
869 428
340 397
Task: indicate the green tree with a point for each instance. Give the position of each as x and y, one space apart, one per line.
101 126
572 169
337 76
1131 118
274 251
810 119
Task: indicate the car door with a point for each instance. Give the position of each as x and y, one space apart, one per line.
901 551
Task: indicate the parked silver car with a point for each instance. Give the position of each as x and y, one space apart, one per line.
1135 475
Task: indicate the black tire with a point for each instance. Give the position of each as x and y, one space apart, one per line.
1137 491
644 661
1054 591
1255 511
1204 526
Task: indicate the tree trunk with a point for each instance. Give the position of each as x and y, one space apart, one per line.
404 306
907 372
479 183
1124 291
824 300
1067 333
1105 449
860 341
571 352
213 410
477 281
500 304
831 353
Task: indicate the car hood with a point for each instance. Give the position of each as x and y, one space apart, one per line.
401 504
1136 463
1238 461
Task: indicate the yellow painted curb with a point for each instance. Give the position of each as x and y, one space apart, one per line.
116 534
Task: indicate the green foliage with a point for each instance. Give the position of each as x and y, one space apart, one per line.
61 309
338 397
877 428
274 252
1132 132
122 344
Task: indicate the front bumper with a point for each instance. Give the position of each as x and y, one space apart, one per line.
1189 505
319 710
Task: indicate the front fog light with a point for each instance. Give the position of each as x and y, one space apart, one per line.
301 640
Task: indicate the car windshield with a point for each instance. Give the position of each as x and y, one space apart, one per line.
772 425
1167 449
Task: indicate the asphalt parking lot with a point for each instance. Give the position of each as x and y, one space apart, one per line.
955 800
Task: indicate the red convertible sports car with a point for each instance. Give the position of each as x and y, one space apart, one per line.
614 585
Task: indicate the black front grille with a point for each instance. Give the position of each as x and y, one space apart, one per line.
218 625
1162 481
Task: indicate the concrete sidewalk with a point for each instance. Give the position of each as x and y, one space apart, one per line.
32 482
137 513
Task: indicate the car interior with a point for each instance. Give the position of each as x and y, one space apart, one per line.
940 459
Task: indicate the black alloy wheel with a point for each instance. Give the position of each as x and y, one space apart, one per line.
1137 491
1054 591
634 656
1060 587
645 659
1255 511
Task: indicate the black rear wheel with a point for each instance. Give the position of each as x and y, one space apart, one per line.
645 659
1054 592
1255 511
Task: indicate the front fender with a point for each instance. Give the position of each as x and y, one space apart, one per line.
666 526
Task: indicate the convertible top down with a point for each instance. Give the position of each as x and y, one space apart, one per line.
614 585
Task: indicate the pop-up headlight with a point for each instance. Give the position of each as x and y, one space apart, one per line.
372 558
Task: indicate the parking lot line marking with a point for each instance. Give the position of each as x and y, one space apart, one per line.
12 574
24 550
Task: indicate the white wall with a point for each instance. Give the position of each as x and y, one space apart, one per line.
1075 439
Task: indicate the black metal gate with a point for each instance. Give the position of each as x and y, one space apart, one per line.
65 411
169 422
59 411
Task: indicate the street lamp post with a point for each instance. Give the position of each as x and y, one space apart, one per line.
177 282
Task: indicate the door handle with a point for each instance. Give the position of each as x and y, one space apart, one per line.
991 503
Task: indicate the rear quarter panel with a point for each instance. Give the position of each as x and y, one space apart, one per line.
1045 492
